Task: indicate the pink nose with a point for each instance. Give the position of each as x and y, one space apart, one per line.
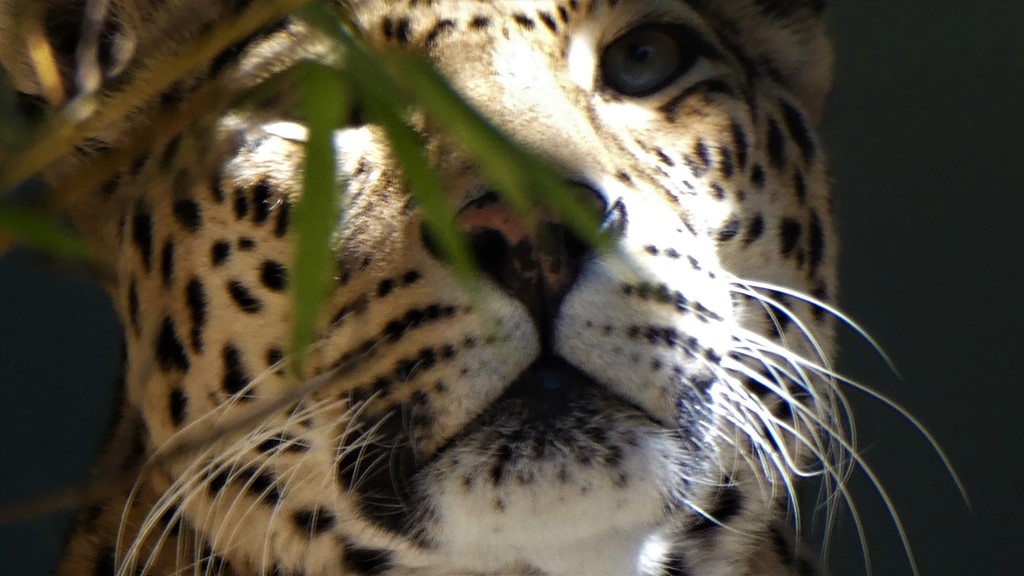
535 257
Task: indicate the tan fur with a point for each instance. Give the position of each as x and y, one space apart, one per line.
726 193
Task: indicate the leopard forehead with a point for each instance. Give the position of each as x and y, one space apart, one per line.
702 353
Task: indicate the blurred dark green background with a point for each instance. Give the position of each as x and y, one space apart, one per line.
926 135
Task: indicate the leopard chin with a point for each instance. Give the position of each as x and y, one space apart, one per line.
558 474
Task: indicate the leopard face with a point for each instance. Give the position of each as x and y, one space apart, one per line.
640 409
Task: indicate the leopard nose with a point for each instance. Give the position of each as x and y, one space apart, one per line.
535 258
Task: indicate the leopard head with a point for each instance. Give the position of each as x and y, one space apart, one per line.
640 408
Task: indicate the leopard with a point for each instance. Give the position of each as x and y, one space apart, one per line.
645 405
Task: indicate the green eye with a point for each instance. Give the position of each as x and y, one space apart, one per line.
646 59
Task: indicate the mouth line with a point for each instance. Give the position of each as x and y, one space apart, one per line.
547 415
549 394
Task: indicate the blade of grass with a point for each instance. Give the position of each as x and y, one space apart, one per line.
325 101
42 232
87 116
523 180
385 103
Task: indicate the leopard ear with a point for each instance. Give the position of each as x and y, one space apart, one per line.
83 47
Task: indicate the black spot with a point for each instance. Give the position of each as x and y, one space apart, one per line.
385 287
167 263
234 378
437 30
108 188
283 217
216 190
782 319
142 235
233 52
816 240
675 564
799 186
739 140
755 229
314 522
195 300
729 230
170 153
782 547
403 33
216 484
274 275
703 153
219 252
244 298
171 519
133 307
136 167
728 505
798 130
664 158
548 21
261 193
173 96
246 244
177 405
524 21
725 163
820 293
186 212
169 352
261 485
479 22
790 231
241 203
212 563
776 145
718 192
387 27
225 57
274 355
366 561
282 442
757 176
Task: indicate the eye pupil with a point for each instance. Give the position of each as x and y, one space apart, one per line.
640 52
645 60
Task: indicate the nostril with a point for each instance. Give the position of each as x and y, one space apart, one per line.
492 252
575 249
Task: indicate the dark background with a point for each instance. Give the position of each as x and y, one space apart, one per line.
926 136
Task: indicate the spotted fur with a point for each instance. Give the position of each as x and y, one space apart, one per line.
641 410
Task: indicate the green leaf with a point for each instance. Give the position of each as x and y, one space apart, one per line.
41 231
523 179
325 101
385 102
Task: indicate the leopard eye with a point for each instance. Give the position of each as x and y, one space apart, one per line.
646 59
